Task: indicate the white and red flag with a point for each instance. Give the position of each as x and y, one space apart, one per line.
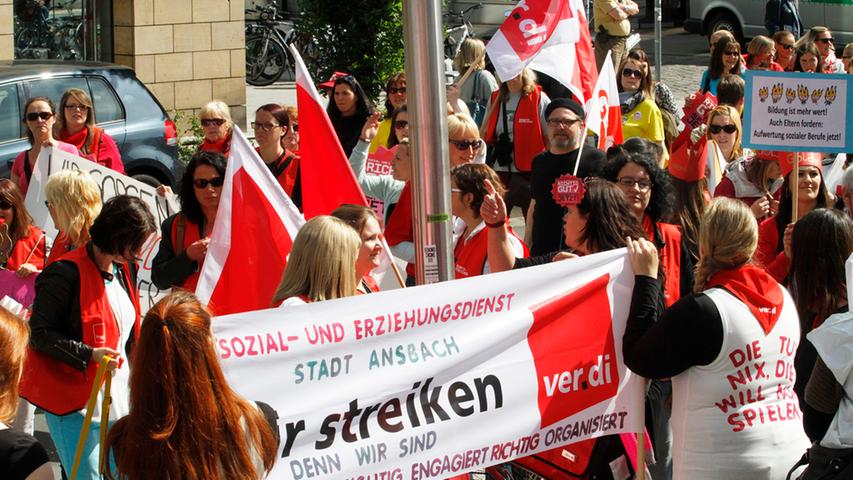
550 36
255 226
327 178
603 115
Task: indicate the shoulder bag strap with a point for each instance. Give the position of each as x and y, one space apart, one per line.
180 229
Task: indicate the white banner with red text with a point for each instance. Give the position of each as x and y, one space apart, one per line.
111 184
441 379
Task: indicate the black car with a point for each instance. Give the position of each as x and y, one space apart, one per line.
124 108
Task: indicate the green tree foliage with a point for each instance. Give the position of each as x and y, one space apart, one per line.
362 37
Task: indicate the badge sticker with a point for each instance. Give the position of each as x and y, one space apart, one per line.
568 190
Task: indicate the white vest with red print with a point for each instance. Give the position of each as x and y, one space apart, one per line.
738 417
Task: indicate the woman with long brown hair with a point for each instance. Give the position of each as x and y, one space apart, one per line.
75 124
22 244
189 423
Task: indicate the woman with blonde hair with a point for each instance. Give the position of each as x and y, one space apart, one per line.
215 117
514 130
189 423
465 144
703 340
366 223
760 54
822 39
21 455
724 128
73 201
312 277
75 124
475 92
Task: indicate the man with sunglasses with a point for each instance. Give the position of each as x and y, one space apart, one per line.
565 120
782 15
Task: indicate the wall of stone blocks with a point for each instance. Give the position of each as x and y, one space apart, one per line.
187 52
7 26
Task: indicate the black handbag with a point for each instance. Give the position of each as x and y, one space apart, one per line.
824 463
501 151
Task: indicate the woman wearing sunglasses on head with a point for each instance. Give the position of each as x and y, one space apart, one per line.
641 116
76 125
271 125
39 118
186 235
217 124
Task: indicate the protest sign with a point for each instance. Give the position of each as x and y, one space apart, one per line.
111 184
379 163
441 379
798 112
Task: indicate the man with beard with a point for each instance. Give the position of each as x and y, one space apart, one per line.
565 118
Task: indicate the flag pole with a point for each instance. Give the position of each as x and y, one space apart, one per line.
795 187
470 70
641 456
580 150
394 268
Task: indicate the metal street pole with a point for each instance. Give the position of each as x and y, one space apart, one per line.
658 42
427 107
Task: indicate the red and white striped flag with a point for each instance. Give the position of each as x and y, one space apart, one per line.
603 115
255 226
550 36
327 178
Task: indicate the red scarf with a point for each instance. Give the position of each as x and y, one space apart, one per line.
756 289
221 146
79 139
399 228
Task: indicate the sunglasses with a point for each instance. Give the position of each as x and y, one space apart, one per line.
264 126
732 53
207 122
715 129
33 116
76 107
396 90
627 72
5 205
466 144
825 40
787 46
401 124
202 183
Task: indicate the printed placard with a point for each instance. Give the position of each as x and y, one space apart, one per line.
568 190
794 111
379 163
441 379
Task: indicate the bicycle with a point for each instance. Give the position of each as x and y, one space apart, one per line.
454 36
267 57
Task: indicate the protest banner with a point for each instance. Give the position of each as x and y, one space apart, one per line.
111 184
798 112
441 379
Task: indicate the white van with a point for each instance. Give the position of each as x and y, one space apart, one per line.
745 18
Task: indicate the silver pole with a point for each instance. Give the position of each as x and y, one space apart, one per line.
427 106
658 42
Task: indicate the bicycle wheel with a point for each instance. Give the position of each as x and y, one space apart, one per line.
266 60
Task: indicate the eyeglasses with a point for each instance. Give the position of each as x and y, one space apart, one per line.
47 204
294 127
71 106
202 183
715 129
33 116
787 46
264 126
562 122
401 124
825 40
629 182
206 122
396 90
732 53
628 72
6 205
466 144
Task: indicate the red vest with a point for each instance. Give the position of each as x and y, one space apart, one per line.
527 130
60 247
29 249
670 257
399 228
59 388
181 244
370 284
471 256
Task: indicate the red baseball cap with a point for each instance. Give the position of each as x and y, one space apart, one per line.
331 82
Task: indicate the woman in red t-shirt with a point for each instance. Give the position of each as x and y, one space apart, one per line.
22 244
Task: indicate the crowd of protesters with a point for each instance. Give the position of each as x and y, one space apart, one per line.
767 255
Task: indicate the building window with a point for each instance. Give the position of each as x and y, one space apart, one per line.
63 29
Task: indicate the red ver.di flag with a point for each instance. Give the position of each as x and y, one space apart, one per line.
603 114
255 226
441 379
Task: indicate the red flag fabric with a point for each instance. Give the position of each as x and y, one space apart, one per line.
688 163
255 226
327 178
551 36
603 114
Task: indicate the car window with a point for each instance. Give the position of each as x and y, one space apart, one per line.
107 106
53 88
10 113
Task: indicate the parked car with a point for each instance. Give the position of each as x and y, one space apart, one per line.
745 18
124 108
